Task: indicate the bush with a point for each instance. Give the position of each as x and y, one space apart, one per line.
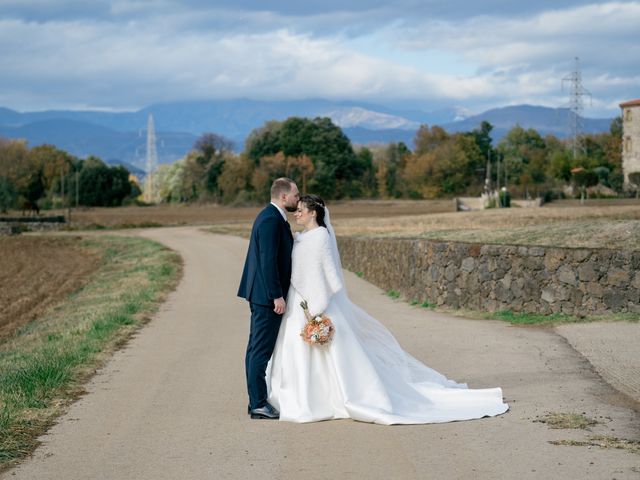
505 199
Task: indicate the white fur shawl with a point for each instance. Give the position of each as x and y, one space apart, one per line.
314 272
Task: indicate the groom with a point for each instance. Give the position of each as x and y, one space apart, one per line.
265 282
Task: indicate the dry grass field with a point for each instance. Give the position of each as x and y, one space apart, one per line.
209 214
612 226
594 224
37 273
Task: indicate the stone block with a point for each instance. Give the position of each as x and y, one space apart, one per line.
593 289
483 273
567 275
450 273
537 251
621 259
533 263
475 250
548 295
580 255
553 259
503 294
587 272
468 264
506 281
617 277
614 300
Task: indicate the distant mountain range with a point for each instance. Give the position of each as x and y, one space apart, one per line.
120 137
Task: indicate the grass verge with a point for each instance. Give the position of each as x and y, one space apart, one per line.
43 366
520 318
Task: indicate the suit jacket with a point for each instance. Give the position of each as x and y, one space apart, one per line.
267 268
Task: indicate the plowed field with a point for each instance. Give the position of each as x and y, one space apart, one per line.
36 273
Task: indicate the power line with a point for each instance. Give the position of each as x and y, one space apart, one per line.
152 159
576 106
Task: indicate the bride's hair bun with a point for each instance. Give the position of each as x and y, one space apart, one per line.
315 203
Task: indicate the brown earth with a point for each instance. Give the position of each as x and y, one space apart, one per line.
36 274
210 214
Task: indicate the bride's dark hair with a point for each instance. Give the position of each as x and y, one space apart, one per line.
315 203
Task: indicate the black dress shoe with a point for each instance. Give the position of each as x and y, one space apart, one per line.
266 412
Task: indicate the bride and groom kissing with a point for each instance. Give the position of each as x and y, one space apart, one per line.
363 373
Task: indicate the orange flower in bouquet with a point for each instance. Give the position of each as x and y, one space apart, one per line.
318 330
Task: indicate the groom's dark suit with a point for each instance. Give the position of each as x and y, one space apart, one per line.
266 277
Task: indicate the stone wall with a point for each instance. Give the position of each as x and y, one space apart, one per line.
499 277
17 225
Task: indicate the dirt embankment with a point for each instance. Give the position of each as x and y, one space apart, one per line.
36 273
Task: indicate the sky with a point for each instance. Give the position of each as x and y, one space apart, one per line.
418 54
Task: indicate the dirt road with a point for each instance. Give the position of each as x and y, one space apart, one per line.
172 404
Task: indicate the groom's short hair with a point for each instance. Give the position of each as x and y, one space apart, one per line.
281 185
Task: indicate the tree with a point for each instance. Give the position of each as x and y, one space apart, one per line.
235 179
8 194
482 137
170 182
525 157
448 167
389 162
583 179
336 170
427 139
101 185
212 145
263 141
269 169
55 164
210 152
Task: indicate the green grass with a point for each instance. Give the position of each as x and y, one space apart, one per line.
44 365
518 318
393 293
424 304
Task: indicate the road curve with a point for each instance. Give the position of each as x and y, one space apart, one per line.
172 403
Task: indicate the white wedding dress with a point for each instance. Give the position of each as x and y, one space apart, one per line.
363 373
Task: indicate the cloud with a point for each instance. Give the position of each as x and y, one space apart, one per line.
130 53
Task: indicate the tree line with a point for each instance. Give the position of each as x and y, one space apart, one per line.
320 157
45 177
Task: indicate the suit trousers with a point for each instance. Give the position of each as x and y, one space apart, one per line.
265 324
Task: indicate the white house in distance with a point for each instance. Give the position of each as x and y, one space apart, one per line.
630 138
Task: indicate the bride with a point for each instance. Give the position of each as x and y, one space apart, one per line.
362 373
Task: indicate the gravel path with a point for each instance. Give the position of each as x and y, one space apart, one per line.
172 403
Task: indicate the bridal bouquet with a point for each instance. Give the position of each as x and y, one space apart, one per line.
318 329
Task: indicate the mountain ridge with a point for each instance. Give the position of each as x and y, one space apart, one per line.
122 135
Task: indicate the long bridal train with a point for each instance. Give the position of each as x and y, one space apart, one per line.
363 373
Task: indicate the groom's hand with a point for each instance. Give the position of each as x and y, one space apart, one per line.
280 305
